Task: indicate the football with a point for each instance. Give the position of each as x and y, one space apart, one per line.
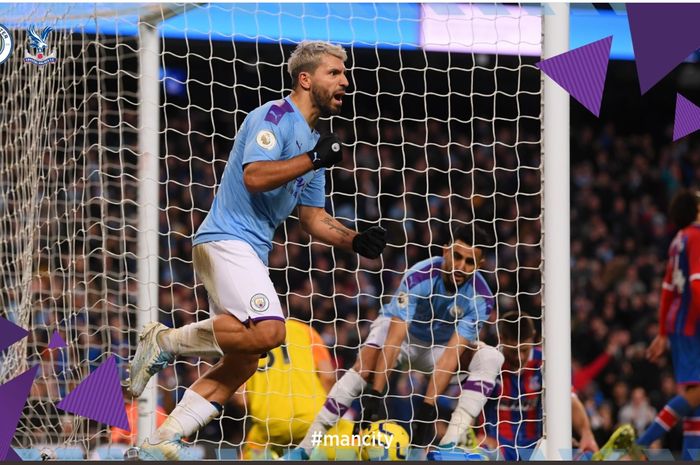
385 440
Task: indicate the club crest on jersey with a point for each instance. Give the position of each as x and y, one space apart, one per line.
456 311
266 139
259 303
402 299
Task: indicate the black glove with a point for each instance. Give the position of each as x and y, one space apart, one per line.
424 425
371 242
328 151
371 408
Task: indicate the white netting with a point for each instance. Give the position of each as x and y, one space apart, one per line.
439 135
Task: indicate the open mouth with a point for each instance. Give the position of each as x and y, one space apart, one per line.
338 98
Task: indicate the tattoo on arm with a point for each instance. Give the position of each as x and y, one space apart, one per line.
332 225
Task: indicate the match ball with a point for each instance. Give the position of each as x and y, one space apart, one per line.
48 454
387 441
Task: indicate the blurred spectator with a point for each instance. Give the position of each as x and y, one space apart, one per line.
637 411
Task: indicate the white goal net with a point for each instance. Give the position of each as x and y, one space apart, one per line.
442 124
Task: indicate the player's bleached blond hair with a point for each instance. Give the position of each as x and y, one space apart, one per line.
307 56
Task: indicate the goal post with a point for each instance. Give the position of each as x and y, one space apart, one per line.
111 157
556 252
148 202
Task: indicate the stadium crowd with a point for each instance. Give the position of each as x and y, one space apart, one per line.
417 180
621 185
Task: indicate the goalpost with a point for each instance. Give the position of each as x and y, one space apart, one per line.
111 157
557 268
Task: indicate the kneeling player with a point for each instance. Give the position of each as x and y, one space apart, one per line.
282 398
514 415
434 316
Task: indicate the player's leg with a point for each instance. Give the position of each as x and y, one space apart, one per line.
484 367
239 290
685 352
348 387
238 284
201 403
691 436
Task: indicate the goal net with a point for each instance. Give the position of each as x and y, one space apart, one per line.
108 167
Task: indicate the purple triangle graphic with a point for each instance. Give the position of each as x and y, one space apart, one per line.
581 72
663 35
56 341
99 397
687 118
14 395
12 456
10 333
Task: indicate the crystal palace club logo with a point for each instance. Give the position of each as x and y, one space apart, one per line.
38 44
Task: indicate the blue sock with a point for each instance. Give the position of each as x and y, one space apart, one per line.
675 409
691 436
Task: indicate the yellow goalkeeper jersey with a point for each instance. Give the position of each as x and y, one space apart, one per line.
285 394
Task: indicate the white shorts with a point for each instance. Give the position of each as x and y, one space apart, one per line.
418 355
236 280
415 354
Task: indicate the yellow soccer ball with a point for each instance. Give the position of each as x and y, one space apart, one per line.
385 440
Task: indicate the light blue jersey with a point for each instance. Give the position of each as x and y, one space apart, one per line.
274 131
434 312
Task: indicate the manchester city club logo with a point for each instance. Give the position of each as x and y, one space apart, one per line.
456 311
402 299
38 43
6 44
259 303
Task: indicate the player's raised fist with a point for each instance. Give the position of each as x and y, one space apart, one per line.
370 243
327 152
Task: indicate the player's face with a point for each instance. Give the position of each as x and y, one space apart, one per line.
516 355
460 261
328 85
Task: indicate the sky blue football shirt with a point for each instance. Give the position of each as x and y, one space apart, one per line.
274 131
434 313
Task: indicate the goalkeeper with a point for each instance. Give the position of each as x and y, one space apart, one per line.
277 163
432 318
285 394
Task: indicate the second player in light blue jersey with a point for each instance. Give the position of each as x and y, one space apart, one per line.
277 164
434 315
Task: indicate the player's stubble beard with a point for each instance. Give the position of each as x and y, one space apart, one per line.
450 280
322 100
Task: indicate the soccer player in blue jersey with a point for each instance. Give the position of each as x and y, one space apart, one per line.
436 313
277 163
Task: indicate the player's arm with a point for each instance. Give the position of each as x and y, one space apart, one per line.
263 171
387 358
446 367
582 426
658 346
398 329
263 176
321 226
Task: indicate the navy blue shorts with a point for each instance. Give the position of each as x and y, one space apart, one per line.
685 351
